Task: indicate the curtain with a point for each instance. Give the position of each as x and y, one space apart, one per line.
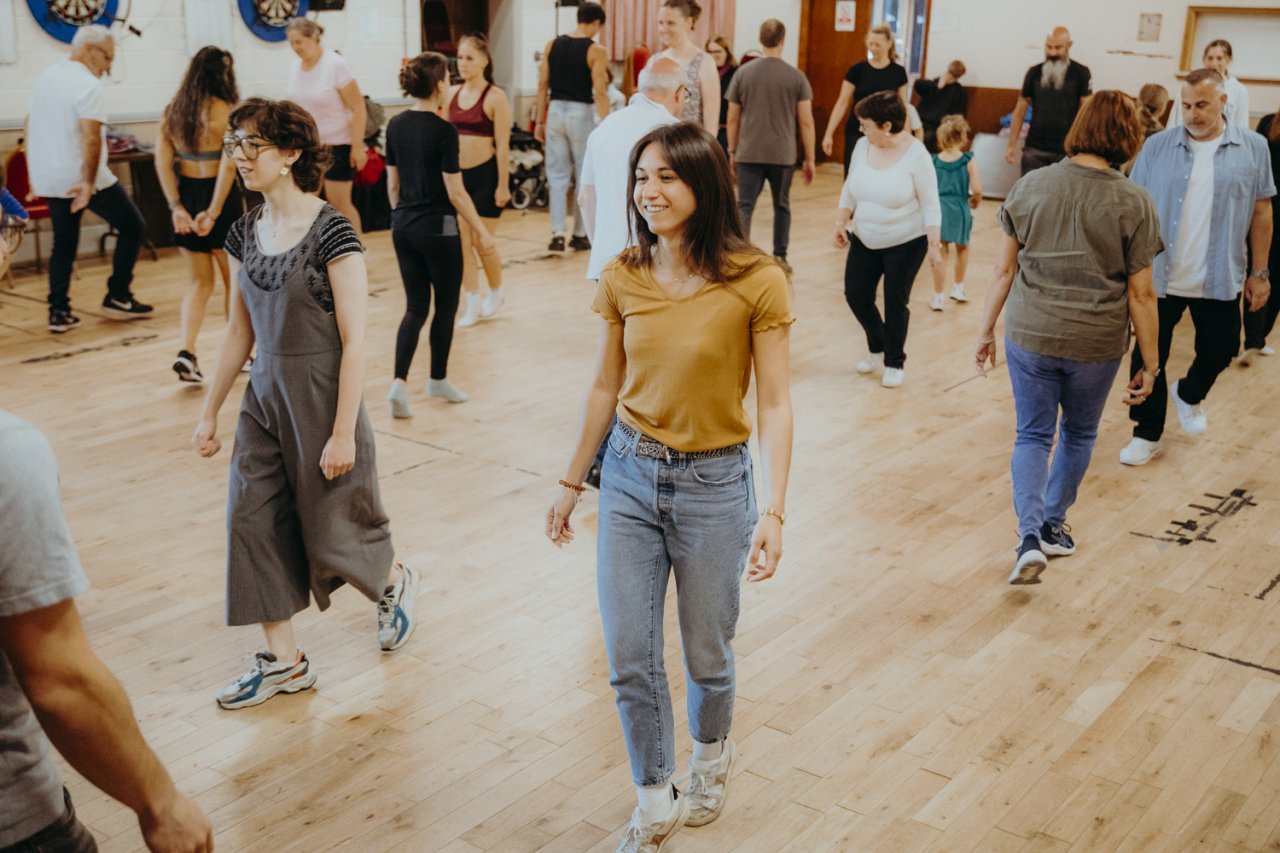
631 23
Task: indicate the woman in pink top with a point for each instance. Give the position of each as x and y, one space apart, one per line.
321 82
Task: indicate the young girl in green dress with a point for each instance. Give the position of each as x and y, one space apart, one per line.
959 191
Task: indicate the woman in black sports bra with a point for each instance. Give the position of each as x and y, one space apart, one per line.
200 186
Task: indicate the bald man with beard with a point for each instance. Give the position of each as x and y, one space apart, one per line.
1054 90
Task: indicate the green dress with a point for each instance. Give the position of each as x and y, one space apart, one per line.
953 193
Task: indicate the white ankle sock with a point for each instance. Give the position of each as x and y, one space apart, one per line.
655 803
707 753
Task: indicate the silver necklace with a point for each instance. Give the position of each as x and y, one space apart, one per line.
676 280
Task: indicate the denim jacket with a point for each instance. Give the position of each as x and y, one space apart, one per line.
1241 176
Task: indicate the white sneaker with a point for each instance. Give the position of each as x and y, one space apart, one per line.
892 377
444 388
650 838
1194 420
873 362
492 303
1266 351
398 400
936 301
958 294
395 610
1139 451
472 315
709 785
1246 358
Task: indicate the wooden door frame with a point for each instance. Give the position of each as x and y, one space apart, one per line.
806 6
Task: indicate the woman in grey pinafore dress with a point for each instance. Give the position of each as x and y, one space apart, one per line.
303 511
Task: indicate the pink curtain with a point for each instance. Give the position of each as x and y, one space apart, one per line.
631 23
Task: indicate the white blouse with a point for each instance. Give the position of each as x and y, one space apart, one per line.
894 205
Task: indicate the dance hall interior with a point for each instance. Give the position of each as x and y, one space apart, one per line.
991 337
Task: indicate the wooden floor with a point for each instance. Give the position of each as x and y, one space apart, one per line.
894 692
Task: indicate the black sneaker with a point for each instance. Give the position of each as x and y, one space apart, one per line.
580 244
556 244
1031 561
62 321
125 309
593 477
1056 542
187 368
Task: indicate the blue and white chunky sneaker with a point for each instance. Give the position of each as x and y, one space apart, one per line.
265 678
395 610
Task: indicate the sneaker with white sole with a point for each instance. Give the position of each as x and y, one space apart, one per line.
472 314
958 294
1140 451
1030 563
398 400
1056 541
395 610
492 303
265 678
709 785
649 838
873 362
937 301
62 321
892 377
1193 419
444 388
125 309
187 367
1266 350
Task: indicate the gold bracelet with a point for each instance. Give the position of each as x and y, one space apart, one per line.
781 516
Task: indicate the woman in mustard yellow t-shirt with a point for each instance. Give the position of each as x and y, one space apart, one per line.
688 312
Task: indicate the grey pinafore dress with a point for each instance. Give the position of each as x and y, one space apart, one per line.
291 533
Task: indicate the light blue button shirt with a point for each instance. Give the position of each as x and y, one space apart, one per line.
1241 176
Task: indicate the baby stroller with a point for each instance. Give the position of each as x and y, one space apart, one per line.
528 171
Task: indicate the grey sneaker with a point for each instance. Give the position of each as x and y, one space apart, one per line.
640 838
708 786
265 678
395 611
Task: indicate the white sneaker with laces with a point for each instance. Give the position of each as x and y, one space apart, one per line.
1267 351
892 377
395 610
472 314
709 785
398 400
650 838
873 362
1139 451
958 294
1194 421
492 303
444 388
937 301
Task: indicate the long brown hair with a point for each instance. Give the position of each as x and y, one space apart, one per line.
211 74
713 233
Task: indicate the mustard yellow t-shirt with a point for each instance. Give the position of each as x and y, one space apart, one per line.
689 359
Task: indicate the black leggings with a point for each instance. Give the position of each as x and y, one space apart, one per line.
862 271
427 262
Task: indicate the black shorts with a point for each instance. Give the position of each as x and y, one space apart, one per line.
481 183
195 195
340 167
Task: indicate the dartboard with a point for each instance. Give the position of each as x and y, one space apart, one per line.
61 18
267 19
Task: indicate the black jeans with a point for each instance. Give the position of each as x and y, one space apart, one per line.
64 835
751 180
112 204
1258 324
1217 325
862 271
1035 158
427 262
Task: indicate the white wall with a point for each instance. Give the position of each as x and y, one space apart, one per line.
998 47
752 13
371 34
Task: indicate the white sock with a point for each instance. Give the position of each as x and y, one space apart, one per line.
655 803
707 753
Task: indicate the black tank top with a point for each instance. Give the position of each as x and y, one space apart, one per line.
569 75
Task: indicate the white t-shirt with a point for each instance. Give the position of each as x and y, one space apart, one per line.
605 168
1191 253
64 94
895 205
316 91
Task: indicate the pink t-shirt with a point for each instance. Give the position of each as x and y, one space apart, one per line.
316 91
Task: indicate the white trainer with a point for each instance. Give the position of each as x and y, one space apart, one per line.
651 837
1267 351
873 362
444 388
1194 421
1139 451
937 301
892 377
492 303
475 310
958 294
398 400
709 786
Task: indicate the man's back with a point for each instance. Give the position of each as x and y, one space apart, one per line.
569 74
64 94
768 91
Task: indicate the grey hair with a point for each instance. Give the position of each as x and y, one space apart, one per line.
660 81
1206 75
91 34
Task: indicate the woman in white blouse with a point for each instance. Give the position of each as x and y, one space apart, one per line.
889 218
1217 55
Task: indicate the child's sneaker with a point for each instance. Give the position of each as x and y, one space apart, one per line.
265 678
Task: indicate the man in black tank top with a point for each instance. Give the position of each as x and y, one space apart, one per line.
572 96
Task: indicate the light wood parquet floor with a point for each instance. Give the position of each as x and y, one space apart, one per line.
895 694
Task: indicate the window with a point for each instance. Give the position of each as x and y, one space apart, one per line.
906 19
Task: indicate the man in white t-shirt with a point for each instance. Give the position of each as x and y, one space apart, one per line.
1211 182
67 165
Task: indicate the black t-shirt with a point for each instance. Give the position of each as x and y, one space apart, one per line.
938 102
422 147
1053 110
868 80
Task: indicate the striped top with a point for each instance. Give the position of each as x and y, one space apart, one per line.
330 237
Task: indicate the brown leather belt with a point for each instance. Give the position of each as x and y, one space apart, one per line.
655 449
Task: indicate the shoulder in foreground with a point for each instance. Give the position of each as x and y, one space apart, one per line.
756 267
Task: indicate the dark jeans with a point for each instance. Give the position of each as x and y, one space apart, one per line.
1258 324
1035 158
862 271
112 204
1217 325
64 835
751 180
427 262
852 133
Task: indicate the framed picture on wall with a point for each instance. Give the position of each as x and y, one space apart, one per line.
1253 34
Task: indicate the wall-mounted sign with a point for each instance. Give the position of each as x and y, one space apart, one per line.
61 18
267 19
846 12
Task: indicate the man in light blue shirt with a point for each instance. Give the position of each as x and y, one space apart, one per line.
1212 184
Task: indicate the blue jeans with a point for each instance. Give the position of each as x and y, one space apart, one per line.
1041 386
693 517
568 125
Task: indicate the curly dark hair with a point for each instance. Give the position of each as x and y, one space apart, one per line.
421 76
883 108
211 74
290 128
